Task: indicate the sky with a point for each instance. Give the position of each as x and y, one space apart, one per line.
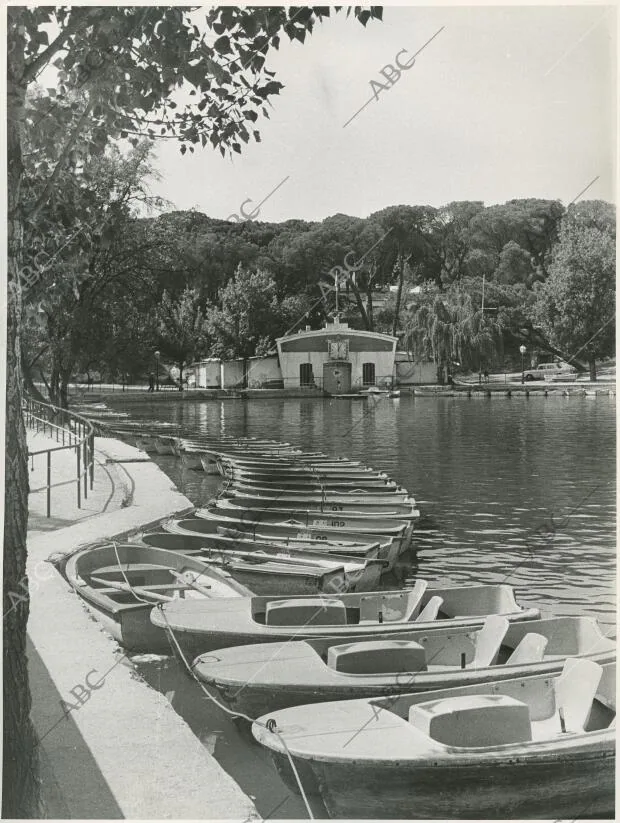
505 102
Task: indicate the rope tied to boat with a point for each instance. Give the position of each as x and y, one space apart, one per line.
122 571
269 725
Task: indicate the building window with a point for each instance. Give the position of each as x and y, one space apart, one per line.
306 378
368 374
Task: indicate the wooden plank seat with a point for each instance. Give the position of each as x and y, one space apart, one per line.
128 567
155 588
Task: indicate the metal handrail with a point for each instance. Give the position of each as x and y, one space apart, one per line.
44 416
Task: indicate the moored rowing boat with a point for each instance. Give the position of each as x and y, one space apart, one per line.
343 617
529 747
121 582
258 679
349 574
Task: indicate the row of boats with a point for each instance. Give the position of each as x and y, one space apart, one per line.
428 701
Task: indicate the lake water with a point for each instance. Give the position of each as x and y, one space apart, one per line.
517 490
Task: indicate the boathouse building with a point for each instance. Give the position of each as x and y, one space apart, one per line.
337 359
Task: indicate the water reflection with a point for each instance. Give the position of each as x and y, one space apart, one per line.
511 491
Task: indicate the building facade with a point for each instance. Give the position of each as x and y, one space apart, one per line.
337 359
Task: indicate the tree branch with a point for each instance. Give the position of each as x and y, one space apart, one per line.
41 60
65 153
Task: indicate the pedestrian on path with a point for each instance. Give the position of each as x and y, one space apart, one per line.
151 382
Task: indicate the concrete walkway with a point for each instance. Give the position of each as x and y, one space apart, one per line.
110 746
111 488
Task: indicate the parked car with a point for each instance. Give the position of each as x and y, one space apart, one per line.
551 371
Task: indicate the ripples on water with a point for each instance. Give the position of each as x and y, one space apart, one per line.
513 490
510 489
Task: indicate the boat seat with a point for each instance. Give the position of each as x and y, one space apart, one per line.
161 587
392 607
377 657
473 720
431 610
488 641
128 567
531 649
315 611
575 690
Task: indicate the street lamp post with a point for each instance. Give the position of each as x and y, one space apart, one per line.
157 354
522 349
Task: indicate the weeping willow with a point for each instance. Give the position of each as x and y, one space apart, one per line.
446 328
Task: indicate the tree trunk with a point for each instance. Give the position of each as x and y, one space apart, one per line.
592 367
54 389
30 385
399 294
369 311
20 781
63 393
361 308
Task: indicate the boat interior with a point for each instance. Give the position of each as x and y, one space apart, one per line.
579 700
143 574
310 520
280 534
496 644
419 604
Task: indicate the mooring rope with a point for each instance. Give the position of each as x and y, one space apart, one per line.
269 725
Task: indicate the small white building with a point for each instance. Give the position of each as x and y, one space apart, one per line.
337 359
409 372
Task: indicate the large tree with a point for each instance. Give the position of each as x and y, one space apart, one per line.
449 327
250 315
576 304
406 244
181 329
75 273
134 65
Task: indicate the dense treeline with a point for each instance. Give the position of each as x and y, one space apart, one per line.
464 285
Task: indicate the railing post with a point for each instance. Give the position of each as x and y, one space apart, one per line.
79 490
49 484
85 445
92 460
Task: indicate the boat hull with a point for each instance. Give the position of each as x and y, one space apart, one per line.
199 633
132 628
569 785
330 497
319 507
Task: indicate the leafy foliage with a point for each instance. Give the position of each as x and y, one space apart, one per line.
250 315
575 306
181 328
449 328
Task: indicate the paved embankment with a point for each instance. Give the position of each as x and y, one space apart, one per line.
110 746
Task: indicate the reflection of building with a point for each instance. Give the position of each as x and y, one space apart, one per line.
337 358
